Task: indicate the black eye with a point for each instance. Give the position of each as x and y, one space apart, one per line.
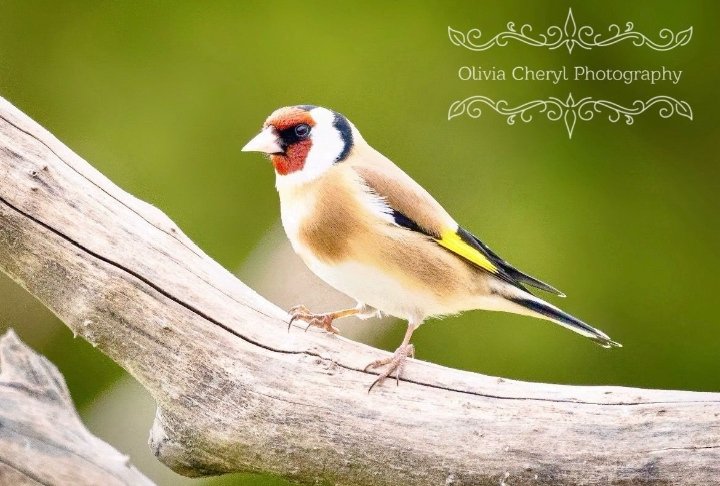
302 131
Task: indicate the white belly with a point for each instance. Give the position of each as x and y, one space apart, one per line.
371 286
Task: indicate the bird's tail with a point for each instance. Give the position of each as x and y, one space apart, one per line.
540 308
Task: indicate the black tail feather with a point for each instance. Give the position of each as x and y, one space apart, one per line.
566 320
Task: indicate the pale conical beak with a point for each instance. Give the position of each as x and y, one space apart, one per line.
265 141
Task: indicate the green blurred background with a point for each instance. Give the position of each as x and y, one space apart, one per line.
160 96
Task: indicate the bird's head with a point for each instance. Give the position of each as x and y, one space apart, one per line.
304 141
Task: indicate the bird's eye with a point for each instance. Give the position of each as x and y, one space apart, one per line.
302 130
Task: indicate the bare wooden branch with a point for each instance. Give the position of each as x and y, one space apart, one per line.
42 440
237 392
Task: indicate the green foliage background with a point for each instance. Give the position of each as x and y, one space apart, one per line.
160 96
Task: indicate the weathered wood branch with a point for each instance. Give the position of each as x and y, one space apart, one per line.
42 440
237 392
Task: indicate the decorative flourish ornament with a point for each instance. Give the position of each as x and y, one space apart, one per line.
570 36
569 110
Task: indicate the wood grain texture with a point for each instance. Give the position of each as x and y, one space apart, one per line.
42 440
237 392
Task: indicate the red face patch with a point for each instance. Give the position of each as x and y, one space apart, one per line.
294 158
295 154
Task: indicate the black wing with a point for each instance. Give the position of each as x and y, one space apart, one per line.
508 269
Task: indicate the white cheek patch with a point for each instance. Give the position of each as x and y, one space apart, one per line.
327 145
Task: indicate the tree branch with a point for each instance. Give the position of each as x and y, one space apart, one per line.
42 440
237 392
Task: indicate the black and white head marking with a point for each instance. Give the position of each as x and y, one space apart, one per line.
342 125
332 138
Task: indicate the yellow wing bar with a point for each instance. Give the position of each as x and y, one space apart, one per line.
452 241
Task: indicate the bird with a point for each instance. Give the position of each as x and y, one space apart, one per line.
365 227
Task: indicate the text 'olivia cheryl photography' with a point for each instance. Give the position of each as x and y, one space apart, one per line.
574 73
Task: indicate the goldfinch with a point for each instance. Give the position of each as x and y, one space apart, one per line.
368 229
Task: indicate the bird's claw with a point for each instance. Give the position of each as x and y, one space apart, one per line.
396 364
323 321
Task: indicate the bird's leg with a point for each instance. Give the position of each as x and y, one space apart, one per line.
396 362
324 321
